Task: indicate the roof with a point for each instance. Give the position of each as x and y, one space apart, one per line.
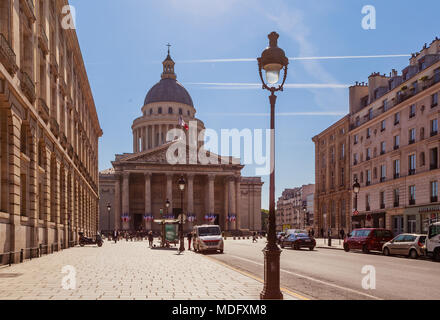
168 90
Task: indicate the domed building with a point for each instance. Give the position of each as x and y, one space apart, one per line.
140 183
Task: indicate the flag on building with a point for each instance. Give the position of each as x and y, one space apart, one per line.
183 124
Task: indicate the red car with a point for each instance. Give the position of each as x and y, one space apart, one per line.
367 239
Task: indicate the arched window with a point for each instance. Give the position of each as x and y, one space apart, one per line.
151 111
170 110
159 110
189 114
24 140
180 111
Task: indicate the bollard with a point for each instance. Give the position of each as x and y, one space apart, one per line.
329 241
21 256
51 247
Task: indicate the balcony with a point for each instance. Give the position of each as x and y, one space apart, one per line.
411 172
28 9
434 199
382 205
43 110
412 202
7 55
54 127
382 152
42 39
368 183
63 140
434 133
28 86
411 141
63 86
382 179
396 204
53 65
396 175
367 158
396 147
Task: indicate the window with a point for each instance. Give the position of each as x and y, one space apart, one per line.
422 133
368 175
368 133
370 114
422 159
159 110
180 111
434 191
412 195
433 156
396 167
342 151
412 164
437 75
434 127
382 147
412 136
385 105
396 197
342 214
396 142
23 195
342 176
188 113
368 152
374 173
412 111
397 118
382 199
356 139
151 111
367 202
358 121
355 159
332 154
383 125
383 172
434 100
170 110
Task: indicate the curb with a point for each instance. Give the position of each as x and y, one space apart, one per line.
334 248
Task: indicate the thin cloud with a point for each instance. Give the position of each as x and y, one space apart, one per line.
378 56
281 114
234 85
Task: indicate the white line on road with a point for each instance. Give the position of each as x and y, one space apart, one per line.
312 279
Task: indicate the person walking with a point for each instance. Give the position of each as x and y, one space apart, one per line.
254 237
342 233
322 232
189 237
313 233
150 239
115 236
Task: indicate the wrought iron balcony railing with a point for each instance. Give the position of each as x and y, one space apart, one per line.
7 55
43 110
28 86
43 40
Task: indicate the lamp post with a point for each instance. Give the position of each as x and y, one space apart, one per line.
356 189
272 61
182 184
109 207
305 220
167 205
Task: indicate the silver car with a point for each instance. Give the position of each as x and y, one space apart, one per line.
411 245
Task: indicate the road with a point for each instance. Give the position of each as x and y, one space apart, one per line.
335 274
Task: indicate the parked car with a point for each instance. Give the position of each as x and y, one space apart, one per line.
207 238
280 235
293 231
411 245
367 239
298 240
433 241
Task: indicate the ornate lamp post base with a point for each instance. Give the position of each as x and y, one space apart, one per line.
271 289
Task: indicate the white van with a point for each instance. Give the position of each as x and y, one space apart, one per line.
207 238
433 241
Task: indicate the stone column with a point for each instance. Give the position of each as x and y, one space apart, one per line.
232 202
160 135
153 136
170 191
190 188
125 199
211 199
148 224
117 203
226 204
238 203
146 137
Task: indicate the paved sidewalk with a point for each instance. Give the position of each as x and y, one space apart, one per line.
127 270
323 244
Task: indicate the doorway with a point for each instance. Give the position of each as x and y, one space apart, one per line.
138 222
397 225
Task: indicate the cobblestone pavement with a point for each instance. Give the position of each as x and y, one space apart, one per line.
127 270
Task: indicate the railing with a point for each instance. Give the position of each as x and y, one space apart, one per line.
412 202
412 141
434 133
43 110
44 41
433 166
434 199
28 86
29 9
54 127
411 172
396 175
396 147
7 55
396 204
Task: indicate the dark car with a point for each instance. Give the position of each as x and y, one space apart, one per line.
298 241
367 239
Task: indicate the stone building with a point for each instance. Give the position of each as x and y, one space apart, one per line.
139 183
290 208
49 130
395 145
332 178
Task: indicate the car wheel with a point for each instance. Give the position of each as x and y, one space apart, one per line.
311 248
413 254
365 249
386 251
221 251
346 248
81 244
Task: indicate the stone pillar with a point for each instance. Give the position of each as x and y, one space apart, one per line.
153 136
146 137
134 141
237 203
33 194
160 135
211 198
231 202
170 191
148 224
226 205
126 199
190 188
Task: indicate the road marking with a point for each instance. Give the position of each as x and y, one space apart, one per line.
289 292
312 279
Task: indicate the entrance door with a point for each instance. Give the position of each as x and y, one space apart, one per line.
138 222
397 225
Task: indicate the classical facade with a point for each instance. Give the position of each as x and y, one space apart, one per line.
332 178
290 213
140 183
395 145
390 137
49 131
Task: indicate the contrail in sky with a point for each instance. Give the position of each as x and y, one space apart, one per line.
285 114
299 58
234 85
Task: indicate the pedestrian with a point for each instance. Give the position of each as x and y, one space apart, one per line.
313 232
342 233
254 237
322 232
150 239
115 236
189 237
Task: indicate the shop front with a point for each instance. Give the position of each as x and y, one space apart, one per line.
368 220
417 219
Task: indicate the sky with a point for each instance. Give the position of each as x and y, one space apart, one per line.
124 42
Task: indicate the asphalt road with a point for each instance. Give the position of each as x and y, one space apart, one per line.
335 274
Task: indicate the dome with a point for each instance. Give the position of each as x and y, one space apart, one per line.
168 89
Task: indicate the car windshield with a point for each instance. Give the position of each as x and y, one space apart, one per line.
434 230
363 233
209 231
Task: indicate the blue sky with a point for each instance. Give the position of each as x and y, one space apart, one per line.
124 42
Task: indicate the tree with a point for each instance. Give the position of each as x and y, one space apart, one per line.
264 219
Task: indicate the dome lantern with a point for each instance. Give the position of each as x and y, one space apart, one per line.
168 67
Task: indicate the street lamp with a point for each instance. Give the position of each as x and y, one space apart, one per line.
167 205
356 189
305 218
272 60
181 184
109 207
